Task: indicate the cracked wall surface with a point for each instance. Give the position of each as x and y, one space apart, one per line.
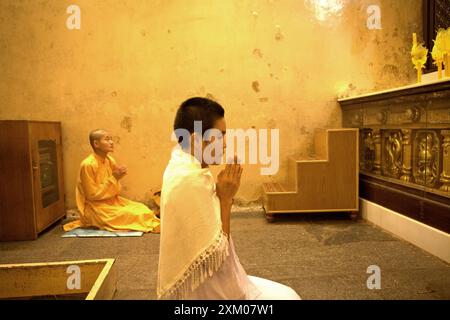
269 63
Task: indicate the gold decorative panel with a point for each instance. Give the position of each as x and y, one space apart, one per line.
405 135
392 154
367 155
426 160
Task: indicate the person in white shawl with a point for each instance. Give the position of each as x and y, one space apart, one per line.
197 259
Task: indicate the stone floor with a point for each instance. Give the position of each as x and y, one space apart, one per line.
322 256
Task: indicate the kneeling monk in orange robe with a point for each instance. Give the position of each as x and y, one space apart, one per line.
98 190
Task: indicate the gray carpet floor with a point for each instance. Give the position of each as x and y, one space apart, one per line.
321 256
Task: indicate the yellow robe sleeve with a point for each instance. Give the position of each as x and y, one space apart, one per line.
112 163
93 191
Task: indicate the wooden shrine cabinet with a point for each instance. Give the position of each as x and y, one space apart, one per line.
31 185
405 149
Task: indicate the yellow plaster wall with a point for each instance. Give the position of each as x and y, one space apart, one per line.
268 62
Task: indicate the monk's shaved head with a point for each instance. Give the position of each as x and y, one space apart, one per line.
96 134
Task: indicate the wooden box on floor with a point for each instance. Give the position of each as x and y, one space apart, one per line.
324 182
32 187
54 280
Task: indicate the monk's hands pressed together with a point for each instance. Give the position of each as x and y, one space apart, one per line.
228 181
120 172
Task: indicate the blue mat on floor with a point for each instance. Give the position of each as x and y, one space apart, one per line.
93 233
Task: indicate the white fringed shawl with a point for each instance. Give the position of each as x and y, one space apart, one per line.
192 245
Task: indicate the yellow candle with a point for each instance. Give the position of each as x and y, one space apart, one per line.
414 39
439 65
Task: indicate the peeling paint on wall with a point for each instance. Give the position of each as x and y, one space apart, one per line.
255 86
258 53
130 66
210 96
126 123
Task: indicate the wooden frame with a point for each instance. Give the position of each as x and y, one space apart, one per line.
42 280
428 32
432 11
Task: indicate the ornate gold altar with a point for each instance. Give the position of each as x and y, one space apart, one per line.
405 149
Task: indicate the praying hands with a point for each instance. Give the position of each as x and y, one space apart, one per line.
120 172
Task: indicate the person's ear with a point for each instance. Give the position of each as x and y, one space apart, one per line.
96 144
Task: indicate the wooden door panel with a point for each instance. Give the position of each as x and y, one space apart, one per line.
16 190
45 140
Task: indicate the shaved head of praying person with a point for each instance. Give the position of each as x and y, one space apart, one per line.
98 193
197 256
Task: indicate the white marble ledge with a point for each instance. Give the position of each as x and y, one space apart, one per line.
428 80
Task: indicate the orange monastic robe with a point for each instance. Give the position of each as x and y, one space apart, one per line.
101 206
